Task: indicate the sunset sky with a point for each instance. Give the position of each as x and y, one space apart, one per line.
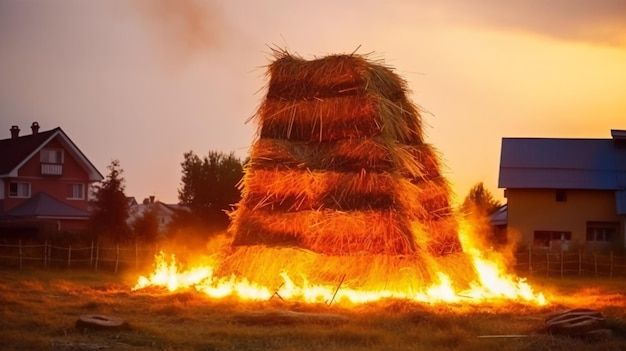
145 81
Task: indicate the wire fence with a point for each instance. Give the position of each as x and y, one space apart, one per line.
98 257
133 256
571 263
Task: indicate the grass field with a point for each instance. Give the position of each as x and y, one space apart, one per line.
39 309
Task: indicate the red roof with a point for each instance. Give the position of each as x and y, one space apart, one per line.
15 150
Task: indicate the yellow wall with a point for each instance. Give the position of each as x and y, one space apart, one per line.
537 209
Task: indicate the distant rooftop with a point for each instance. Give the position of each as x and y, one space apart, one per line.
618 134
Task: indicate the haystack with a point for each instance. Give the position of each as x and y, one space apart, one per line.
340 180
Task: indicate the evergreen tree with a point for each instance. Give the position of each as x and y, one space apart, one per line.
110 207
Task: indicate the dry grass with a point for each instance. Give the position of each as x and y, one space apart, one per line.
40 308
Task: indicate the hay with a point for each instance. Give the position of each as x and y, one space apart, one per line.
341 181
320 119
348 155
293 78
298 190
411 273
446 240
286 190
336 118
417 161
328 232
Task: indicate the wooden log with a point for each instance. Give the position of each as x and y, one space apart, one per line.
101 322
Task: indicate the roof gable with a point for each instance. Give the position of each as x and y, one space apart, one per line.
15 152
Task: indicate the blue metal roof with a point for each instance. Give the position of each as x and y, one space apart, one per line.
500 216
547 163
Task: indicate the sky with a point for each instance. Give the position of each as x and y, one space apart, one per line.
145 81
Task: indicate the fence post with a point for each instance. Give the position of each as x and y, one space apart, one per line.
49 253
91 255
69 255
20 245
548 263
561 261
97 254
530 259
595 262
117 256
611 268
580 262
45 249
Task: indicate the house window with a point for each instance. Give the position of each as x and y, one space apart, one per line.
543 238
76 191
19 189
561 195
52 156
602 231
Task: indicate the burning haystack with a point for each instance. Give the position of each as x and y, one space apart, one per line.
341 183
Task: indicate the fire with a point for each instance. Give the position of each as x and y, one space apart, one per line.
311 232
492 284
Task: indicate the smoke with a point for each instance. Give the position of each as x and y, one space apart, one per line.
183 29
595 22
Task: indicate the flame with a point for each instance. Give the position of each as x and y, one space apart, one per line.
492 284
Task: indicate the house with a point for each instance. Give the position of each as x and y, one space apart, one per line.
164 212
566 194
498 222
44 184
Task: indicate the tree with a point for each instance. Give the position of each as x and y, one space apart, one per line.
480 201
209 188
477 207
146 226
110 208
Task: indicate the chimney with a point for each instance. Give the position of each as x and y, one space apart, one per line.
15 132
35 128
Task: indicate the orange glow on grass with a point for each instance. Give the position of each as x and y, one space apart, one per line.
492 284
